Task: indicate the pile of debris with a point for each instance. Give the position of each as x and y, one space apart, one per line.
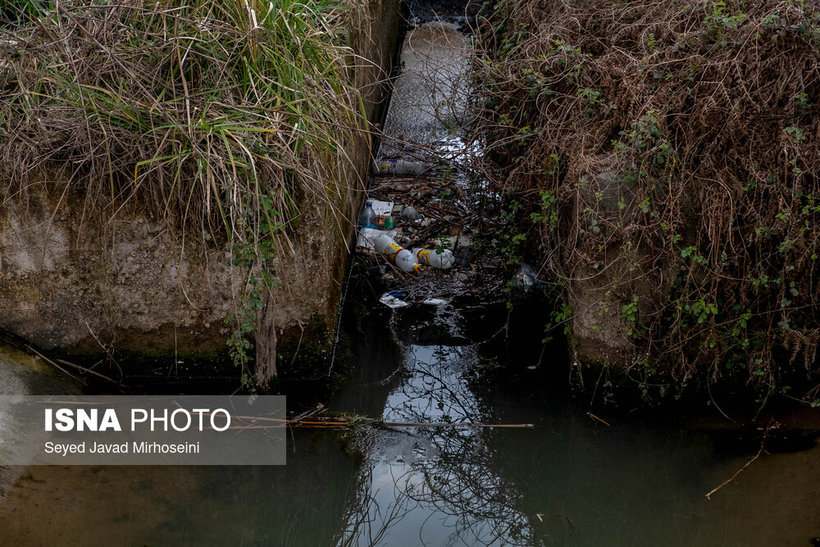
431 210
425 187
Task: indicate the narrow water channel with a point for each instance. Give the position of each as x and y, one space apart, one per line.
570 480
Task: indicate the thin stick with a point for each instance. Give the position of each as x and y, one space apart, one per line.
92 372
55 365
748 463
594 417
471 425
345 423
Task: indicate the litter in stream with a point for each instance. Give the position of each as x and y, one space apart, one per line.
429 198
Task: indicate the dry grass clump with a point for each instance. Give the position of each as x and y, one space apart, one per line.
675 143
200 109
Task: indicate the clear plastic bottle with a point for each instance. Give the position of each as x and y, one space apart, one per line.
444 259
367 218
403 258
399 167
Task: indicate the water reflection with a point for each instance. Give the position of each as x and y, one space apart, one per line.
434 485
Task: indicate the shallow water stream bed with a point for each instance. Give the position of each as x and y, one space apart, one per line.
568 480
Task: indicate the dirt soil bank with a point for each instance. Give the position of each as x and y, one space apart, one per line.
130 284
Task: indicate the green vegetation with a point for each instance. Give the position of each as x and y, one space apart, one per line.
222 117
665 153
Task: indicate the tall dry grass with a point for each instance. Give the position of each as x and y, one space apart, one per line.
206 111
667 152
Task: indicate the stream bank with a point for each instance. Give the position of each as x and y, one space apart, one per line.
100 263
657 160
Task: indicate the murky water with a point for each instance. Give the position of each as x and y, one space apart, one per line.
23 374
570 480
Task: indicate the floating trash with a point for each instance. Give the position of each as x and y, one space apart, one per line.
392 299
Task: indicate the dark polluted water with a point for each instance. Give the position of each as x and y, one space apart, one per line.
569 480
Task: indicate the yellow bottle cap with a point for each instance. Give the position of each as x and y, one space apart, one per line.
416 267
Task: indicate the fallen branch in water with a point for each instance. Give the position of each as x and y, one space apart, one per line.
596 418
91 372
75 366
335 422
55 365
748 463
447 424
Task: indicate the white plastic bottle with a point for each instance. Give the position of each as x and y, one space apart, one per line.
444 259
403 258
